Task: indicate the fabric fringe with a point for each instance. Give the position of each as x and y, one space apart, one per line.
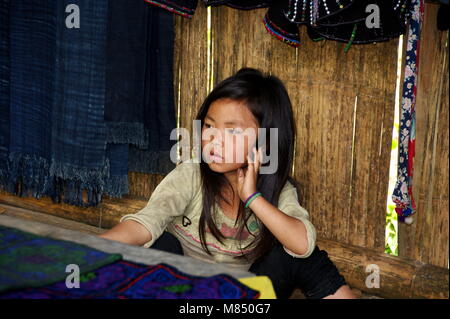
71 181
116 186
83 174
56 189
73 194
31 176
4 174
127 133
30 172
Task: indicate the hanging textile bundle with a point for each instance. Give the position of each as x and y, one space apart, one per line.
75 98
139 107
339 20
402 195
31 60
79 130
375 20
283 18
126 53
159 105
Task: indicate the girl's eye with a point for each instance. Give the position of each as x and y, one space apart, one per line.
207 125
234 130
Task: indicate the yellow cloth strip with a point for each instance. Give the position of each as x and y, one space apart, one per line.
262 284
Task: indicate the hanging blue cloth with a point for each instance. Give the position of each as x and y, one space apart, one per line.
159 106
126 53
74 99
32 56
139 108
78 135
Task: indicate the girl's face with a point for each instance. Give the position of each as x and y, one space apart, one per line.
229 131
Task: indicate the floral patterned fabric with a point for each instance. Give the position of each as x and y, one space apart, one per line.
402 195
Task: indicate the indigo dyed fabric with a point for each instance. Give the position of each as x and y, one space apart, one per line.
139 108
5 71
125 72
117 183
79 130
32 43
73 100
127 280
126 53
28 260
159 106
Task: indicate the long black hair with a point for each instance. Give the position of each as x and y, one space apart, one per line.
267 99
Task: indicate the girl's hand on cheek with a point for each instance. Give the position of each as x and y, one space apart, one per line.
247 177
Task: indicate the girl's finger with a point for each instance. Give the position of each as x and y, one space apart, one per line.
250 159
249 162
257 160
240 176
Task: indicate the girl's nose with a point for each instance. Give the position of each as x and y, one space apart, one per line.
217 139
216 143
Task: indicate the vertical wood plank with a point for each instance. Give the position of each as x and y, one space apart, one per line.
239 40
192 76
343 156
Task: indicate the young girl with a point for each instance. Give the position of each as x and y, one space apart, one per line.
222 210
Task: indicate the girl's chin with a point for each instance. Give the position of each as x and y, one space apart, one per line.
223 167
217 167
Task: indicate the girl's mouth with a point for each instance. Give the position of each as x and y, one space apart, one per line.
216 157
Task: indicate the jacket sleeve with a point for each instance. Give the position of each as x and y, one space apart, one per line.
169 200
288 203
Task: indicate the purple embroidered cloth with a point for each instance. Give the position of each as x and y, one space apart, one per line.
127 280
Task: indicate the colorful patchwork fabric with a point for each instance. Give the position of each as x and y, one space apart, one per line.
28 260
127 280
